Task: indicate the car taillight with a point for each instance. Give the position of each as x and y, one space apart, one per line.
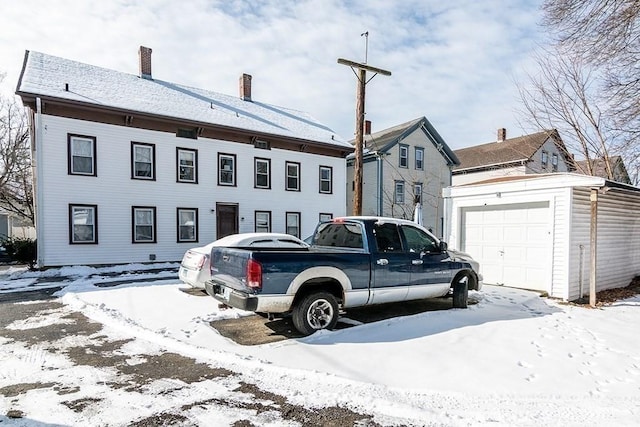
201 261
254 274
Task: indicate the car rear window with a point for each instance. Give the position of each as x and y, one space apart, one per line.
339 234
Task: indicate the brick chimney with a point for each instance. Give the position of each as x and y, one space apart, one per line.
144 54
502 134
367 127
245 87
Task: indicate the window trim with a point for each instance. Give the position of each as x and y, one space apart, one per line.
94 163
286 176
255 221
255 173
417 198
421 151
195 225
95 224
134 144
406 157
396 193
195 165
234 170
154 224
330 169
298 215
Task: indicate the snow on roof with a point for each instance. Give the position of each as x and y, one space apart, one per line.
48 76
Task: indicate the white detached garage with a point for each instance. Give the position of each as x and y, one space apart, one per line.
533 232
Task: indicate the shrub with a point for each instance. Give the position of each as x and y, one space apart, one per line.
21 250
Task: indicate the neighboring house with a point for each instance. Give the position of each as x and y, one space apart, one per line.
131 169
534 231
401 166
541 152
11 225
597 167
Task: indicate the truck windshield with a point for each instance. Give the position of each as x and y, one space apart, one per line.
339 234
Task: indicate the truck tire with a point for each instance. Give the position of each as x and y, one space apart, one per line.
461 291
315 311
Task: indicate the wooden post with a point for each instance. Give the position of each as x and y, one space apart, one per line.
357 166
359 141
593 237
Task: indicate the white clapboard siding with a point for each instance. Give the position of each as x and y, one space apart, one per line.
114 192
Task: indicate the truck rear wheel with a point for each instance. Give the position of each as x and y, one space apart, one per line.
461 290
315 311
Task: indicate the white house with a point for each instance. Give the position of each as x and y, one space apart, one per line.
401 166
541 152
131 169
534 231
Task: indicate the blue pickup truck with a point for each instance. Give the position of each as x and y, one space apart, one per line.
352 262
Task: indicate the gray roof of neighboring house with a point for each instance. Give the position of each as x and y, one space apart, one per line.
599 168
384 140
509 151
48 76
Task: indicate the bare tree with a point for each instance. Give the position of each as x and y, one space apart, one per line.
16 192
605 35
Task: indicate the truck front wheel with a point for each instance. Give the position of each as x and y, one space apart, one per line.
318 310
461 290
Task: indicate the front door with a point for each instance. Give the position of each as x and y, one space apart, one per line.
391 265
226 219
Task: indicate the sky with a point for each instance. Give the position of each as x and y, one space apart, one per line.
456 62
512 358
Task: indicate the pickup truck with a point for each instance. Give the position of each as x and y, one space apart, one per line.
352 262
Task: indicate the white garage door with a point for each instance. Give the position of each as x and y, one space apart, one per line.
511 242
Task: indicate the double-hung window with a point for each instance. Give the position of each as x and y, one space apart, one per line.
293 176
293 223
326 179
227 169
399 193
263 222
187 225
554 162
143 161
81 152
325 216
419 158
262 169
187 165
83 224
545 159
404 156
417 192
143 224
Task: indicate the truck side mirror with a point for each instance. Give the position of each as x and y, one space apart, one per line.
443 246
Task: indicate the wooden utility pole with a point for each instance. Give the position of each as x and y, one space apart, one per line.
360 95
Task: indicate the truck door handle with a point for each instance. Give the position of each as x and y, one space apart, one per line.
382 261
416 262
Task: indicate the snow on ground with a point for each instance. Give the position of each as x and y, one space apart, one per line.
512 359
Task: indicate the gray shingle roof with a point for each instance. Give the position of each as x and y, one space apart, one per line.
508 151
48 77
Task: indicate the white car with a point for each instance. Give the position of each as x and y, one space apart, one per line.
195 267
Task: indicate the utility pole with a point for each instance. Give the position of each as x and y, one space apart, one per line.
360 95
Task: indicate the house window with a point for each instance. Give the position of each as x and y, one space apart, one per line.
81 153
326 217
143 224
187 224
399 193
187 163
227 169
262 170
293 223
143 161
419 158
326 179
83 224
545 159
417 192
554 162
263 222
404 156
293 176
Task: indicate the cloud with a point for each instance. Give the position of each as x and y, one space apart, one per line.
453 62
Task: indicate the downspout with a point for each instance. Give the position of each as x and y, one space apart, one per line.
37 148
379 182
